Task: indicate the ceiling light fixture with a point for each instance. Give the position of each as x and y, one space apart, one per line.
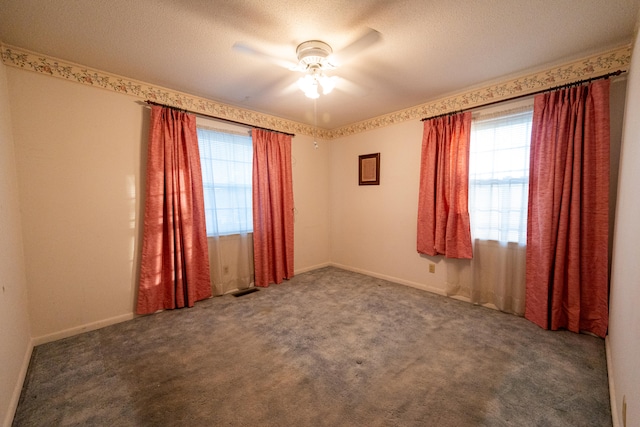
313 59
315 79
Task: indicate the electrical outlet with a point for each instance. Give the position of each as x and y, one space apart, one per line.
432 268
624 411
225 269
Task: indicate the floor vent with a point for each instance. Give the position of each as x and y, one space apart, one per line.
242 292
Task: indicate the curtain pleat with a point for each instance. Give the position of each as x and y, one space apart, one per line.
443 215
174 269
568 225
272 207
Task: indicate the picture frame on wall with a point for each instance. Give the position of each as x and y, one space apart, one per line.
369 169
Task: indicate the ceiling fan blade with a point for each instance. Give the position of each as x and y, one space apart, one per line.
366 40
291 89
250 50
350 87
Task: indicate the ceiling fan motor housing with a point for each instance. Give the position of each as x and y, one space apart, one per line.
314 54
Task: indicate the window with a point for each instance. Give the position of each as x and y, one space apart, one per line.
499 175
227 161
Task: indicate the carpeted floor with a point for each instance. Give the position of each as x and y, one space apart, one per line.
328 348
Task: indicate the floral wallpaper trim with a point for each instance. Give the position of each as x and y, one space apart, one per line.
32 61
592 66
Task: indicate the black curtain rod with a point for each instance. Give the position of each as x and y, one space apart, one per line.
214 117
576 83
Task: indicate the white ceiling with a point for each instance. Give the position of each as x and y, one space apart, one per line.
429 48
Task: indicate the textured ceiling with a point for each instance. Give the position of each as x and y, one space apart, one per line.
429 49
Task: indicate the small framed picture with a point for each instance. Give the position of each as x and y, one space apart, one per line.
369 169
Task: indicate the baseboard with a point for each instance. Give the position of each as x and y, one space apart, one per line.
17 390
313 267
391 279
612 389
80 329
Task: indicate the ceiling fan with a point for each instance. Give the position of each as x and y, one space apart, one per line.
315 58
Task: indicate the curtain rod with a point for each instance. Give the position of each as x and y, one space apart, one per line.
214 117
576 83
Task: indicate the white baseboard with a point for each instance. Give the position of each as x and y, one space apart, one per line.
392 279
313 267
17 390
612 389
420 286
82 328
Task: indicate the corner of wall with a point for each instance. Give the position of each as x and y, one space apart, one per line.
17 389
15 334
612 388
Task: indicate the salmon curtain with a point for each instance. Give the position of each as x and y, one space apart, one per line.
174 270
272 207
568 225
443 214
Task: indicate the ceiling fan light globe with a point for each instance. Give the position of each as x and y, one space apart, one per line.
309 85
312 92
327 83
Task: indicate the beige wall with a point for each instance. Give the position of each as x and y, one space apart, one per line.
15 336
373 227
78 152
80 155
624 327
312 203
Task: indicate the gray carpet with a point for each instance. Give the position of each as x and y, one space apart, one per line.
328 348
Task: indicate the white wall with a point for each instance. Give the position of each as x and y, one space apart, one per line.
80 158
624 319
15 337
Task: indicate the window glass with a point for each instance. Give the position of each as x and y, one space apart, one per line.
499 175
226 160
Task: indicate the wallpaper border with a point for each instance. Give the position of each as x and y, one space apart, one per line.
582 69
591 66
32 61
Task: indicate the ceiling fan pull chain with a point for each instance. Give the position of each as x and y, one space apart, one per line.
315 123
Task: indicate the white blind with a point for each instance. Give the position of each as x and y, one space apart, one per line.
499 175
227 161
